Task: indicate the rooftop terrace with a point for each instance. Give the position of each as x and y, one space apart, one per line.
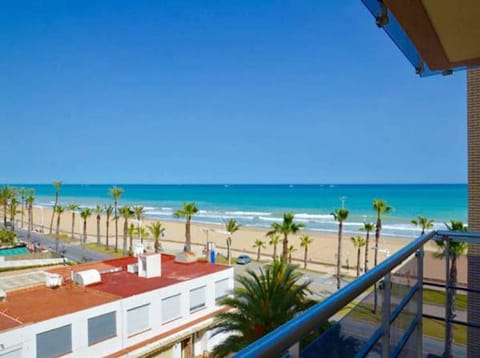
38 302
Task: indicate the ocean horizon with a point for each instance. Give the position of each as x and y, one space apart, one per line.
259 205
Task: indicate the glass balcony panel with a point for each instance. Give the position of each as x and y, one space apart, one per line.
360 328
434 338
349 334
402 323
410 348
403 280
376 351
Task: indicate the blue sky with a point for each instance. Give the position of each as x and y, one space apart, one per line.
219 92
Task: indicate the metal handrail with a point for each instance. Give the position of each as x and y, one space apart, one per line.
278 341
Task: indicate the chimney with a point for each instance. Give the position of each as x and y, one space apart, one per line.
149 265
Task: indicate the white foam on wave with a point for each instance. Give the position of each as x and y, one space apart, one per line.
313 216
402 227
273 219
158 213
44 205
248 213
357 224
223 216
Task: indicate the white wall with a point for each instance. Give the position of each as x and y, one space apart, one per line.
25 336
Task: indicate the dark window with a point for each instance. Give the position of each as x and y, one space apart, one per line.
197 298
102 327
55 342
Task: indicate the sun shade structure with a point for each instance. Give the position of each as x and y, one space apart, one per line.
436 36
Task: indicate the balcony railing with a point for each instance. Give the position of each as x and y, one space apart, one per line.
388 315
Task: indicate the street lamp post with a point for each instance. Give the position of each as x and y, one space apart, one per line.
207 251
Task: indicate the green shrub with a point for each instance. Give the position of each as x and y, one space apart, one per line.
7 237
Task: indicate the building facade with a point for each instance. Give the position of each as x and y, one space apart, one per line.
122 314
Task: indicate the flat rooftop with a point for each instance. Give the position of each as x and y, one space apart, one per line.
38 302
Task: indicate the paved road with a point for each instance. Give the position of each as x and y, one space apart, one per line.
71 251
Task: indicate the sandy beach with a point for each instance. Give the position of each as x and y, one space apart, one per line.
322 251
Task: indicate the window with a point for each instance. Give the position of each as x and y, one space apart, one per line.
197 298
171 308
222 288
102 327
55 342
138 319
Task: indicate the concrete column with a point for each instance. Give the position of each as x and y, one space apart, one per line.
473 113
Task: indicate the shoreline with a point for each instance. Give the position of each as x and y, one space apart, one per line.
322 249
321 253
315 223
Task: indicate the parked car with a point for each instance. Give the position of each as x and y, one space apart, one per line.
244 259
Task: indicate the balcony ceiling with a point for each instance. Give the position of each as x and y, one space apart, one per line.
446 33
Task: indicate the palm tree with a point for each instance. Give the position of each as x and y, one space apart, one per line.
108 212
268 298
455 250
72 207
138 212
132 230
423 222
259 245
305 241
13 211
287 227
59 211
127 213
274 240
156 230
22 193
84 214
367 228
358 242
231 227
381 208
142 232
30 199
188 210
57 184
5 195
340 215
98 210
291 250
116 193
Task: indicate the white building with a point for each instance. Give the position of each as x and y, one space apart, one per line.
107 309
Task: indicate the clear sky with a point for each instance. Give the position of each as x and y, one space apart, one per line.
300 91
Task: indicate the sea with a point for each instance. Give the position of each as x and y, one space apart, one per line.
261 205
